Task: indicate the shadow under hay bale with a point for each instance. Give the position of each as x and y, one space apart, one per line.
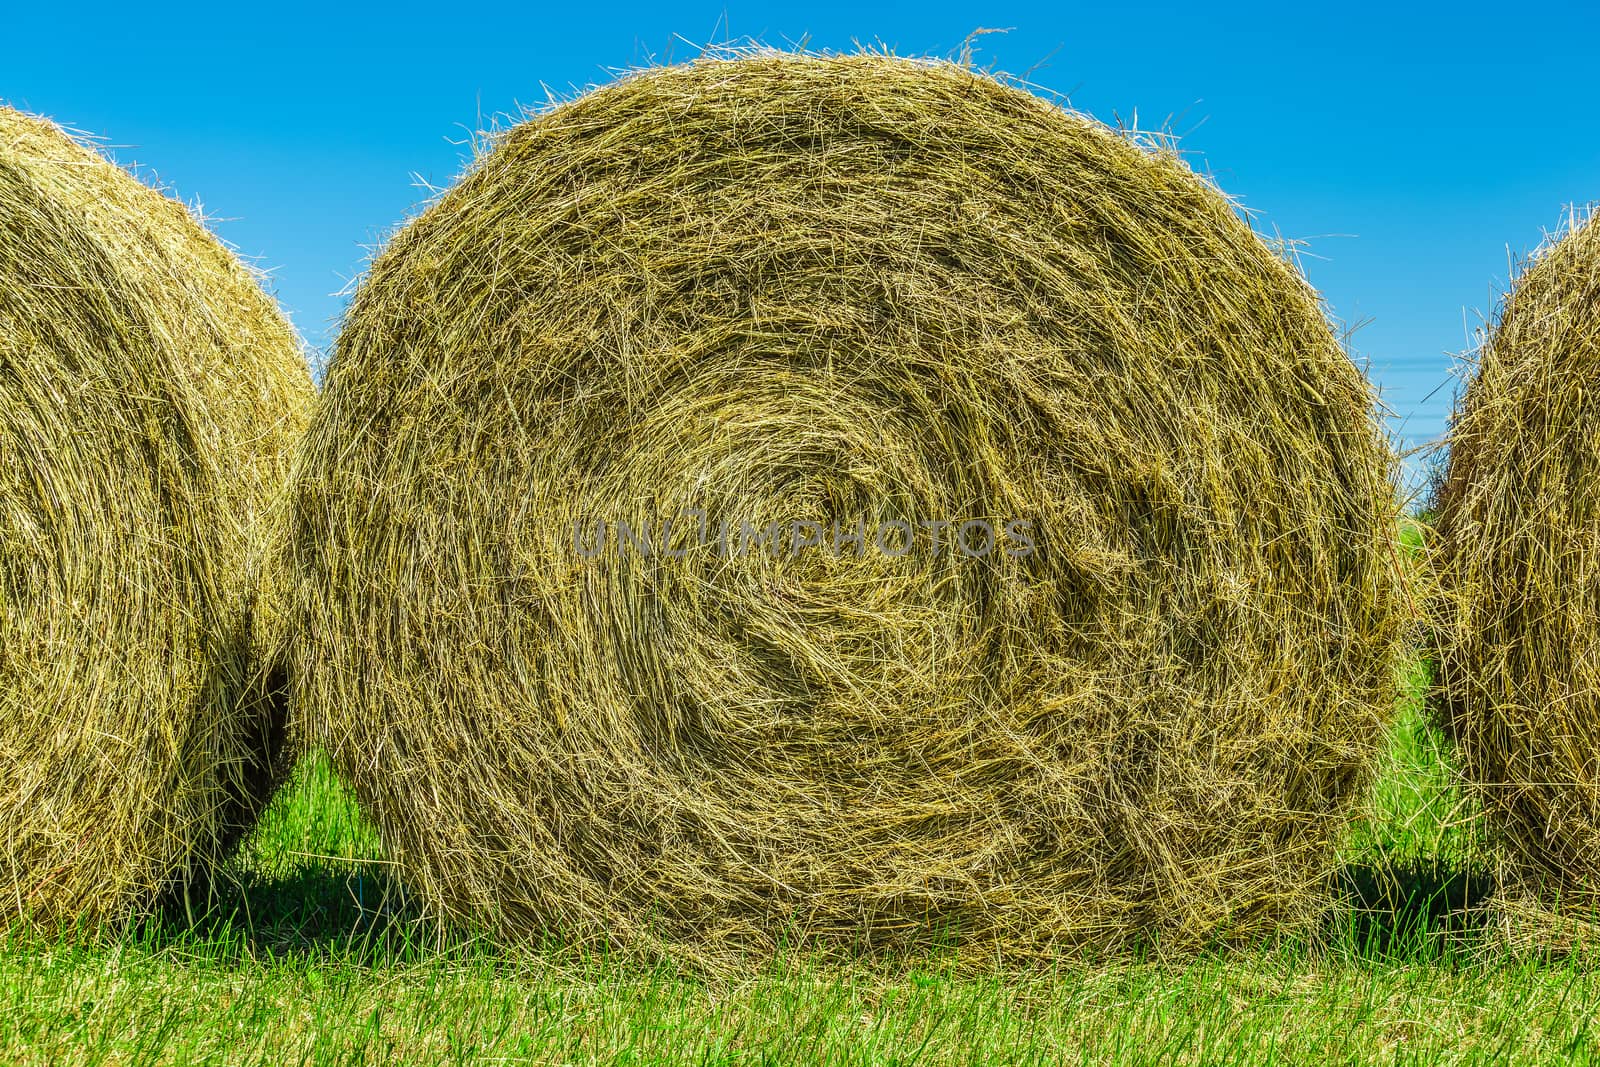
801 294
353 911
1517 564
149 398
1404 908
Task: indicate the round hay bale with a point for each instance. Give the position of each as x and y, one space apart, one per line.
149 397
1517 559
855 297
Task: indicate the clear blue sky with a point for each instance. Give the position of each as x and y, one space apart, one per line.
1412 150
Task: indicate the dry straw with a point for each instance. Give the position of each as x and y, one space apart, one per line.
149 396
1517 556
788 288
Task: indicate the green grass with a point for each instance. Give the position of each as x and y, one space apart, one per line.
316 960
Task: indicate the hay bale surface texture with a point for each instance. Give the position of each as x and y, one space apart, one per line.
1517 557
849 291
149 397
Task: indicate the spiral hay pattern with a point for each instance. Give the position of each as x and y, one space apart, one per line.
149 397
1518 561
844 293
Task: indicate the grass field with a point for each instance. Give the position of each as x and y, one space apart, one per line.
313 961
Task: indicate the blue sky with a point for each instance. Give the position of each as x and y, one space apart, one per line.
1414 150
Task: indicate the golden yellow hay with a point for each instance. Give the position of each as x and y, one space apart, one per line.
1517 559
149 397
839 294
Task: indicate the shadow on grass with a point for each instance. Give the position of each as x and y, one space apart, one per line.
1410 908
357 912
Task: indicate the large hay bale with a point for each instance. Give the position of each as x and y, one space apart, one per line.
795 289
1517 559
149 397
